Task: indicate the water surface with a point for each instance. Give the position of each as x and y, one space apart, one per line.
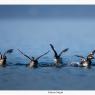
33 36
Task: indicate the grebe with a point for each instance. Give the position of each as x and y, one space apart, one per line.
3 56
57 57
33 61
86 62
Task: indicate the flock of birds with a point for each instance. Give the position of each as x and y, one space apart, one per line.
84 62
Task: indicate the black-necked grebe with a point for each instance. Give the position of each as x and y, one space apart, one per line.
57 57
33 61
3 56
86 62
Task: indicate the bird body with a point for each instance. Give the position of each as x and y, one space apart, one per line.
33 61
3 56
86 62
57 57
58 60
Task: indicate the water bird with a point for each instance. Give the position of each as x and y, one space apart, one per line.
33 61
86 62
3 57
57 57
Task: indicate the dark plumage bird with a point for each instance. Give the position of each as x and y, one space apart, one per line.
3 56
86 62
57 57
33 61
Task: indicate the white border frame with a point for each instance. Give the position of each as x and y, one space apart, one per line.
46 2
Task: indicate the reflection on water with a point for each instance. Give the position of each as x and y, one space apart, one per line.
33 36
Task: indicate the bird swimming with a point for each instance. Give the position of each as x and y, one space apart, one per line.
57 57
33 61
86 62
3 57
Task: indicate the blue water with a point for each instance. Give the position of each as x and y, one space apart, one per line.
33 36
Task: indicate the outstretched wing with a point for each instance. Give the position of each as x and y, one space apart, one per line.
54 50
8 51
42 55
24 54
80 56
91 55
93 52
65 50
